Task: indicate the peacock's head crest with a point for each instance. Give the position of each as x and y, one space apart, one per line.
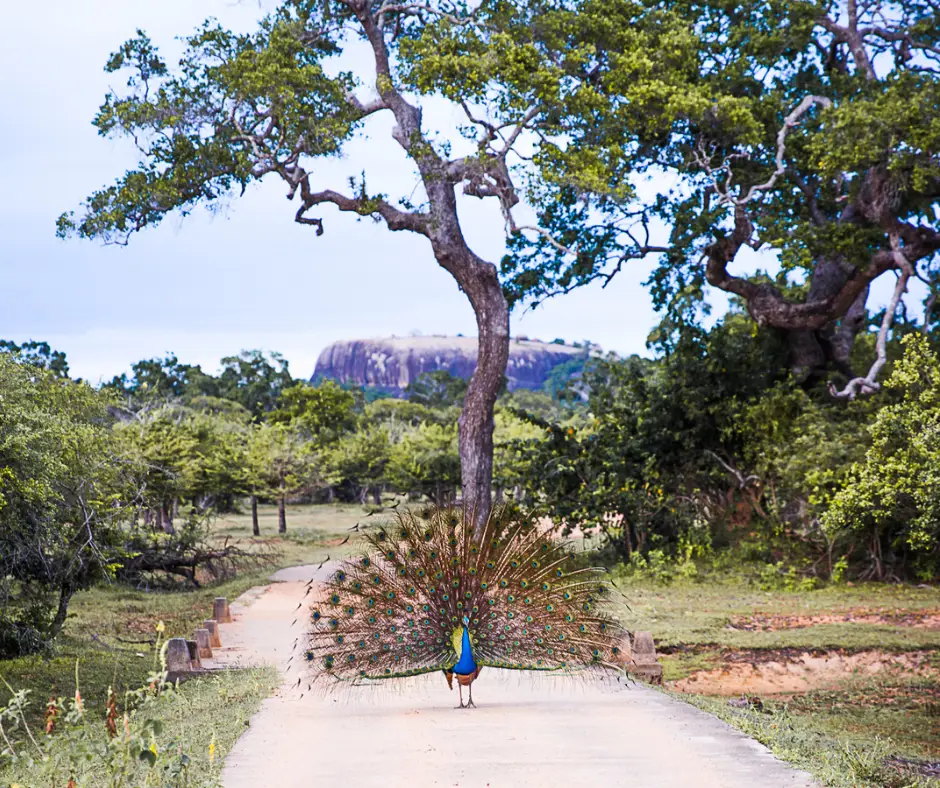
466 621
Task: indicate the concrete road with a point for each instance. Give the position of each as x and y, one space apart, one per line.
527 730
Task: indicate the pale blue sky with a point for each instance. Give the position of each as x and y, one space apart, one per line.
207 286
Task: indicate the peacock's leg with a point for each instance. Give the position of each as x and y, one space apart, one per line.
460 691
470 703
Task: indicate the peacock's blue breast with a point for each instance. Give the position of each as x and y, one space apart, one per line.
466 664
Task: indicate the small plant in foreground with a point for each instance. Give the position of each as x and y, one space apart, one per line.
113 752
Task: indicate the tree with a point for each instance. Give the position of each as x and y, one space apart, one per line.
803 128
437 389
360 457
38 354
426 461
240 107
161 379
255 380
891 500
322 412
281 464
61 492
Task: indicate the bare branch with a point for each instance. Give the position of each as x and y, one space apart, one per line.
869 384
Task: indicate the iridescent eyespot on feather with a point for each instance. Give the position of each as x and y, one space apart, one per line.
561 636
328 663
390 595
491 601
308 655
569 618
403 533
510 599
382 536
371 619
559 573
456 584
340 576
528 619
366 561
523 584
527 601
510 615
490 565
550 608
514 564
335 599
445 597
473 570
351 658
316 615
535 564
402 572
546 586
503 583
340 639
411 591
603 627
412 554
484 586
334 623
390 555
410 608
566 595
468 594
615 650
357 585
376 579
350 611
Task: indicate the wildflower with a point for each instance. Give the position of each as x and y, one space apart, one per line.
212 750
161 627
78 702
52 711
110 723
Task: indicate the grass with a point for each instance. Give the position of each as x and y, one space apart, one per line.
111 629
847 734
841 734
201 722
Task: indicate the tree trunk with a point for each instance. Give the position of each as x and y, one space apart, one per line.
498 493
812 353
377 495
475 427
330 494
166 518
363 494
148 518
65 595
255 528
281 514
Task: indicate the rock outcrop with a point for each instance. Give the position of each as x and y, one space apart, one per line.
391 364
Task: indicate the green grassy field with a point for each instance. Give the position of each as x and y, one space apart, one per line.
853 727
845 732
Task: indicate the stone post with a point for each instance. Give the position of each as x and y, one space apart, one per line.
178 661
220 610
194 659
204 643
214 640
645 665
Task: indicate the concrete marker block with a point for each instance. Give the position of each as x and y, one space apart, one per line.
220 610
194 659
178 662
204 643
214 639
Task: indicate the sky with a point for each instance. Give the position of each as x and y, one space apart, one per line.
210 285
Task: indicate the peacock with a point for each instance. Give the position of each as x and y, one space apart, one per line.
438 591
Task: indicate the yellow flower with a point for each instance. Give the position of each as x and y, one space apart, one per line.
161 627
212 750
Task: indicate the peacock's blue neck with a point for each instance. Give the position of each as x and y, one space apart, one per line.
466 664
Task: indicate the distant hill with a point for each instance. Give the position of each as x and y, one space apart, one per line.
391 364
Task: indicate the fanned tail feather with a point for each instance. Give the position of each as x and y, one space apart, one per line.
393 611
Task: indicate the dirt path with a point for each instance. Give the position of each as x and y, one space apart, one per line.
526 732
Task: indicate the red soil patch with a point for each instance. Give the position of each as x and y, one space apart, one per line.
790 672
761 622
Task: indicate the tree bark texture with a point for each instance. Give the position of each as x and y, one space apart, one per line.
255 527
281 515
166 518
